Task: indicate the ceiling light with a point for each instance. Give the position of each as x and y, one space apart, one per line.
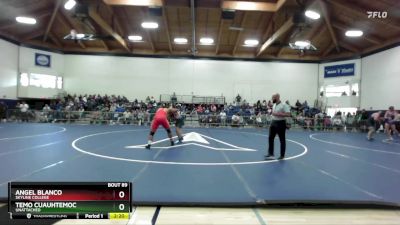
26 20
246 5
250 42
312 14
150 25
157 3
69 4
140 2
235 28
206 41
79 36
302 43
354 33
84 37
135 38
249 6
180 40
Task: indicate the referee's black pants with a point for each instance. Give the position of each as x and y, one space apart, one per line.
277 127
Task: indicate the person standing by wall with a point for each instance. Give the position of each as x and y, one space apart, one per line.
363 120
3 112
280 111
24 111
174 99
222 117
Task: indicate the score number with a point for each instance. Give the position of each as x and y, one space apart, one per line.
121 195
122 206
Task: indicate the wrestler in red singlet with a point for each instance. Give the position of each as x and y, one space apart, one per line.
161 118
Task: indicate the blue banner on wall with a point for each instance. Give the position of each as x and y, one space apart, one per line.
339 70
42 60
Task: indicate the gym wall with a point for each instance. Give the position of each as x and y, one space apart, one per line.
135 77
380 85
27 65
8 70
140 77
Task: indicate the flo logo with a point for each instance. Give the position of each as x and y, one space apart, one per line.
376 14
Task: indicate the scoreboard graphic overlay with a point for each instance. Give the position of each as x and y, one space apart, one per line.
69 200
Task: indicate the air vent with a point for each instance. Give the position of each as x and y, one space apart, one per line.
228 14
81 11
155 11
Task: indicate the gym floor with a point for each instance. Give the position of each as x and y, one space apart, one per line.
213 167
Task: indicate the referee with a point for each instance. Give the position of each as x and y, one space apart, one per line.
280 111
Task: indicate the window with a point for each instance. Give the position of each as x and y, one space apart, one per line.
24 80
59 82
332 111
354 89
337 91
41 80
